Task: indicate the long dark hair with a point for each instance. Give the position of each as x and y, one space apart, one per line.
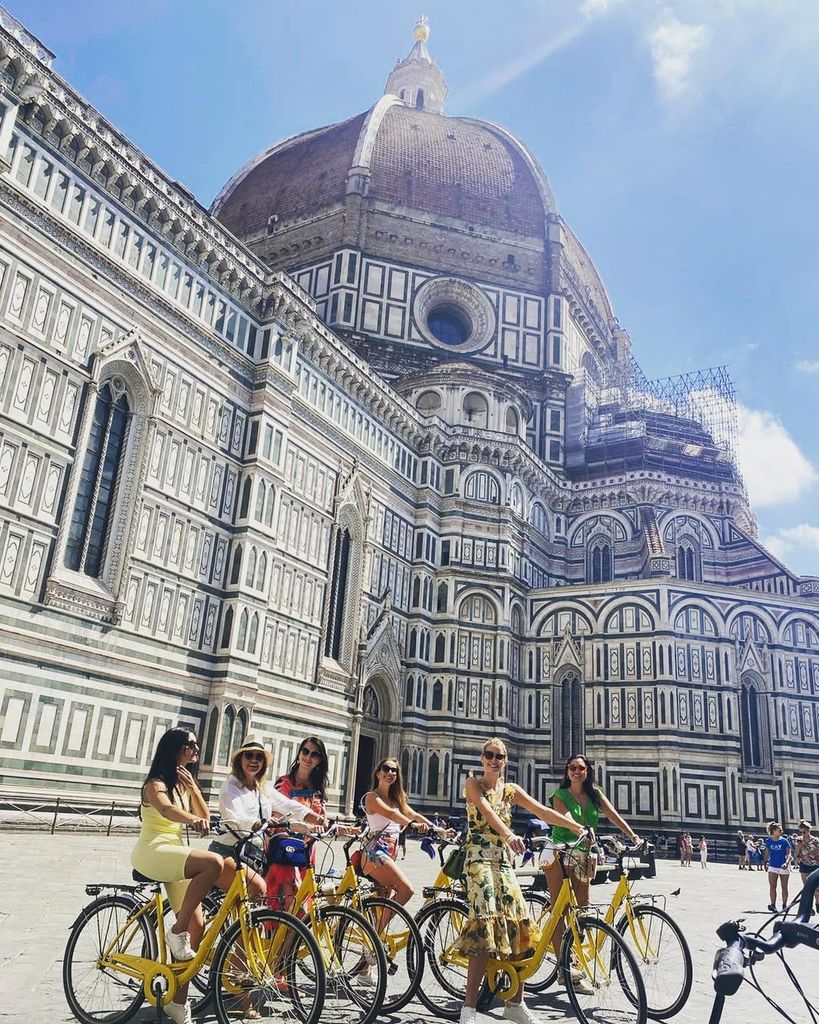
164 764
589 788
396 794
319 774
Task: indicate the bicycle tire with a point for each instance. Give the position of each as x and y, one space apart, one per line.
398 995
343 964
444 989
200 983
298 994
656 970
102 915
594 964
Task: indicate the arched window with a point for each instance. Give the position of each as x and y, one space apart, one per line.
227 628
568 722
754 725
413 642
449 696
446 774
443 597
405 766
237 565
241 637
250 572
432 775
254 633
428 402
440 649
689 565
261 578
260 498
210 741
416 592
338 594
244 504
409 693
538 518
226 739
512 421
476 410
419 99
269 505
93 507
437 695
241 725
482 486
600 563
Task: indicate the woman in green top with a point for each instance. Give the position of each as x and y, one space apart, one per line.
578 797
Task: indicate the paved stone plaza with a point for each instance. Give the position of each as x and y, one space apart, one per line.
42 883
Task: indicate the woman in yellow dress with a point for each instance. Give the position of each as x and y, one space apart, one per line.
171 799
498 924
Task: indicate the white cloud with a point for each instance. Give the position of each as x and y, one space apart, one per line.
801 540
774 468
806 366
674 46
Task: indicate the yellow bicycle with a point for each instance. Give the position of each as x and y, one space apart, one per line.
655 939
599 971
265 965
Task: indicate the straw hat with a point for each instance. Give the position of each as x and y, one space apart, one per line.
251 743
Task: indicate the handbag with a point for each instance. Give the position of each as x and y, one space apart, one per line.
455 864
287 851
582 864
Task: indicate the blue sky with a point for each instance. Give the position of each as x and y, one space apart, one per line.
679 136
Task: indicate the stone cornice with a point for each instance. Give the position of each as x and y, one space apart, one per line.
66 121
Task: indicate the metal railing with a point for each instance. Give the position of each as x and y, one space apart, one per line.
60 814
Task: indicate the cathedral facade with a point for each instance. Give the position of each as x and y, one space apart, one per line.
363 451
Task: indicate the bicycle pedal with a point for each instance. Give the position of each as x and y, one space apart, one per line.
392 969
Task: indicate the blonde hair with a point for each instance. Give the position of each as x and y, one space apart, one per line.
497 742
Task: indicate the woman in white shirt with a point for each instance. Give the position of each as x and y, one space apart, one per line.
245 801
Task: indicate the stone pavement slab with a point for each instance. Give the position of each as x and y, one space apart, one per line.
42 880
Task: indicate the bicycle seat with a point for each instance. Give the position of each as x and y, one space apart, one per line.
139 877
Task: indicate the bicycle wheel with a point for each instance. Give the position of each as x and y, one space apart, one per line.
95 990
663 956
280 978
444 988
602 978
539 904
402 948
355 965
200 991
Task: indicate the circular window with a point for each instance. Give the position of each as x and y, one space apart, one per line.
451 314
448 324
428 401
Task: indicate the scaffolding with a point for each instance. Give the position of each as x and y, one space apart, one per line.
685 424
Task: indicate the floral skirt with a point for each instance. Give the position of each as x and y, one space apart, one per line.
498 921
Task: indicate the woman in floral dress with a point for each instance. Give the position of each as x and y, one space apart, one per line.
498 924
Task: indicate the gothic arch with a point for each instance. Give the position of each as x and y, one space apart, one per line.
615 518
568 714
666 525
755 724
581 614
754 612
344 604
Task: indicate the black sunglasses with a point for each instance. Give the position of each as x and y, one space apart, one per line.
494 755
389 769
192 745
307 752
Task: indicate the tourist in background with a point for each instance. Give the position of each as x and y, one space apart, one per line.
806 853
742 851
777 852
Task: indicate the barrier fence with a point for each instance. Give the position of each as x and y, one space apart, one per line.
59 814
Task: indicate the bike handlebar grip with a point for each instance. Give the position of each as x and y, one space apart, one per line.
729 969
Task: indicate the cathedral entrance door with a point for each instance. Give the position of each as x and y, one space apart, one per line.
363 770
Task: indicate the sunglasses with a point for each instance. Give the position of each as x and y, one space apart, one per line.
578 768
494 755
307 752
193 745
253 755
388 769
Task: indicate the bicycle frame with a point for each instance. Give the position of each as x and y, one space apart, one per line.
162 978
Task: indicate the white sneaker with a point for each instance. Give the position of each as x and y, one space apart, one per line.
581 984
519 1012
179 1013
179 945
469 1015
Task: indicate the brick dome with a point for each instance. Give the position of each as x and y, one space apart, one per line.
444 167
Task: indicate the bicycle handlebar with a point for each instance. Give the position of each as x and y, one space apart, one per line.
729 963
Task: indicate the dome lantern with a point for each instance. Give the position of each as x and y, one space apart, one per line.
417 79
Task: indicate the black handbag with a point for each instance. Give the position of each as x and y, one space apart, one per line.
455 864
